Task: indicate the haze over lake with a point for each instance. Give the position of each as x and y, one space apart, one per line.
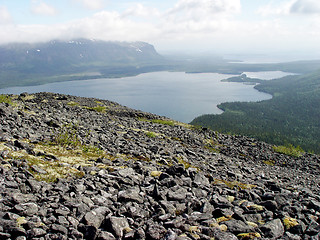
176 95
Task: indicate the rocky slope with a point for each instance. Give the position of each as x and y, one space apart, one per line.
79 168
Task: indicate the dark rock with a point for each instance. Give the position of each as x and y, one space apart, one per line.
155 231
270 205
237 226
89 232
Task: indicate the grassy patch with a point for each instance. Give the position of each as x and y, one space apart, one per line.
67 137
164 122
289 150
151 134
234 184
5 99
269 162
101 109
72 103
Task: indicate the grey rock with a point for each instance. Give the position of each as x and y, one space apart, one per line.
36 232
96 216
315 205
103 235
28 209
118 225
132 194
273 229
218 235
238 226
59 229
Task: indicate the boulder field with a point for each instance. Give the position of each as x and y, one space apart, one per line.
84 168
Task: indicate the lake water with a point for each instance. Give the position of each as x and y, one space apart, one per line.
176 95
268 75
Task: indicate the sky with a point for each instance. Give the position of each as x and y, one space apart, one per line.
218 26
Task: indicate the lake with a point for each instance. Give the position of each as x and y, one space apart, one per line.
176 95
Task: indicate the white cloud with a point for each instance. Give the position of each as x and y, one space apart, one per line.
189 24
41 8
199 9
305 7
5 17
92 4
139 10
291 7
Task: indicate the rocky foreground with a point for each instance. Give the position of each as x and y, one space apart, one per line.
79 168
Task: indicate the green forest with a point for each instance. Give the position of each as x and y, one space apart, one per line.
290 117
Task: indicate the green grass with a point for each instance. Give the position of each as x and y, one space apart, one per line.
289 150
5 99
164 122
151 134
67 137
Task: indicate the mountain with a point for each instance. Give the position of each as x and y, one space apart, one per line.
83 168
21 62
290 117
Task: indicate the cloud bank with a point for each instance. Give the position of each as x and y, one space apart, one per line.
41 8
189 24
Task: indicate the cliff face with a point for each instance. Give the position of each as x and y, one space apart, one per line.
79 168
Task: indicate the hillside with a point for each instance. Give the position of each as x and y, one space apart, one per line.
80 168
290 117
30 64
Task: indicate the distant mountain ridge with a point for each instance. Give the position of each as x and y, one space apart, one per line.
22 61
77 51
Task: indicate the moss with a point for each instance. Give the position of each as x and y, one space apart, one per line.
163 122
28 97
252 224
194 229
64 164
6 99
234 184
185 163
151 134
66 136
256 207
269 162
223 219
155 173
289 222
73 103
20 221
230 198
101 109
248 236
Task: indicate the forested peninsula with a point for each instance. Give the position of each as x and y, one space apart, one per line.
291 117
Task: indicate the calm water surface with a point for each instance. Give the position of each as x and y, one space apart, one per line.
177 95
